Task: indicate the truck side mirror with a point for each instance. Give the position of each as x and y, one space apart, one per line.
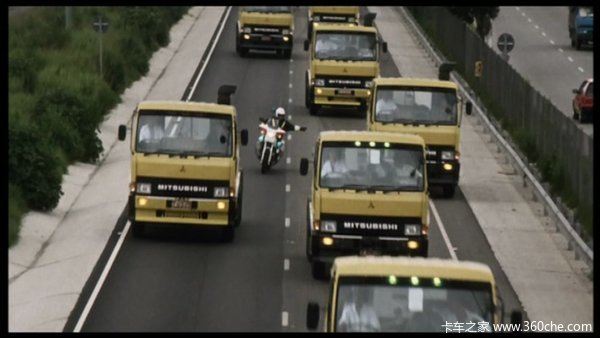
306 44
384 47
224 94
312 315
122 132
303 166
469 108
576 91
244 136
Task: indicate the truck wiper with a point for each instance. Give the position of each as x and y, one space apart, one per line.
357 187
197 154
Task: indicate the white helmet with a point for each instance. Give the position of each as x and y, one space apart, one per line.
280 112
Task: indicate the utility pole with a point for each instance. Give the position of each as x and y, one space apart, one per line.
68 16
101 27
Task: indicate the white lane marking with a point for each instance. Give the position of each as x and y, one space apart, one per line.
289 137
100 282
580 69
288 160
290 100
552 42
212 48
443 231
290 117
287 222
570 59
284 318
286 264
522 13
561 50
543 34
291 72
290 85
287 188
537 27
529 20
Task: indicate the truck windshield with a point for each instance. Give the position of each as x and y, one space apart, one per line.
412 304
416 105
267 9
360 166
160 133
346 46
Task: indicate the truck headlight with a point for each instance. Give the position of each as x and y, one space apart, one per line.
447 154
285 32
412 229
351 19
221 192
320 82
316 18
328 226
247 30
144 188
368 84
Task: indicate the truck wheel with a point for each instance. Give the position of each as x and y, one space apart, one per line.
578 44
575 115
307 99
138 229
449 190
319 270
287 54
238 212
308 242
227 234
314 109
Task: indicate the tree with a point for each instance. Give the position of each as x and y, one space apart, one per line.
481 17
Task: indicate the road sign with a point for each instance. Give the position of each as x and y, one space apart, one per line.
506 42
100 24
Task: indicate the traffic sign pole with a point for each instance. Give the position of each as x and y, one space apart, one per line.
101 27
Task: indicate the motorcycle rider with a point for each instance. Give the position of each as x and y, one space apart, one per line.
278 120
283 123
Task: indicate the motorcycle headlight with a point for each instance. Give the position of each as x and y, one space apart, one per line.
319 82
368 84
247 30
285 32
221 192
447 155
412 229
328 226
144 188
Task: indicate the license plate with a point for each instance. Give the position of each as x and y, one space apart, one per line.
345 91
181 204
266 38
369 252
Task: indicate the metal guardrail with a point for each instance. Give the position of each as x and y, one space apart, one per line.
580 248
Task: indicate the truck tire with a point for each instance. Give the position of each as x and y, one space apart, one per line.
448 190
238 208
319 270
287 54
227 234
138 229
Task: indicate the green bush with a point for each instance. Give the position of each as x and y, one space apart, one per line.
23 65
33 164
17 206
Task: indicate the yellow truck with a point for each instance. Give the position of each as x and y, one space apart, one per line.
343 61
430 108
369 196
265 28
185 164
347 15
410 294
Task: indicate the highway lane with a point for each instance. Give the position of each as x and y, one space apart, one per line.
184 280
543 53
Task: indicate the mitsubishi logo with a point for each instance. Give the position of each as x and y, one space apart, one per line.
371 205
182 170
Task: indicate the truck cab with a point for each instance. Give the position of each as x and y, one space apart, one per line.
185 165
581 25
368 196
344 15
343 61
410 294
430 108
265 28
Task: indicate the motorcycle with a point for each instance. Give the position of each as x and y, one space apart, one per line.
271 143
